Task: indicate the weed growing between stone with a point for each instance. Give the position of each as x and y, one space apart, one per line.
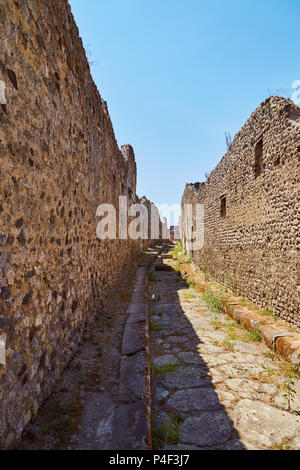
161 370
187 295
268 313
228 345
154 326
216 322
289 391
214 300
151 276
168 433
253 335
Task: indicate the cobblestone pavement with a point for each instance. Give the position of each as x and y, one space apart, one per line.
214 385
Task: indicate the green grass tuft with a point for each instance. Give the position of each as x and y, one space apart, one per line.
214 300
188 295
268 313
154 326
252 336
161 370
168 433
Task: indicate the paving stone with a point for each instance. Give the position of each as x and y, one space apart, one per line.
263 424
234 444
177 339
226 398
131 427
270 365
242 370
170 330
295 443
253 348
137 313
174 349
180 447
209 429
161 419
208 337
134 377
210 349
201 324
165 360
251 389
217 360
186 377
191 358
216 376
161 394
247 357
196 399
156 319
135 338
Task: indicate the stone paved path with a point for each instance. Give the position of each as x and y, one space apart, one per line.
208 390
212 387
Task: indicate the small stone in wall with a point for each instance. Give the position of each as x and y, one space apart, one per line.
10 276
26 298
21 238
19 222
4 293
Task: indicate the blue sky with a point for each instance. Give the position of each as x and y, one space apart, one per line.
178 74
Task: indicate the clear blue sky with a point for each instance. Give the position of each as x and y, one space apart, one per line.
177 74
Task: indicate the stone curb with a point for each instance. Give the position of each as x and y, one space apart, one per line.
284 342
131 422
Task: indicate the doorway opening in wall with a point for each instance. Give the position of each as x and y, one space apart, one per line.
258 158
223 206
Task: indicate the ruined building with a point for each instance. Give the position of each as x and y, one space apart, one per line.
251 211
59 160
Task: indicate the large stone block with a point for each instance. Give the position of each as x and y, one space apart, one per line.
277 424
131 427
135 378
210 429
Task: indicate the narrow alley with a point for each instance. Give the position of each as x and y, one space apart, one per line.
214 385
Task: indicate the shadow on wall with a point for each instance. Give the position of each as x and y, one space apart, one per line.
191 412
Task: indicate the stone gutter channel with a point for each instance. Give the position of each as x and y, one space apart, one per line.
131 421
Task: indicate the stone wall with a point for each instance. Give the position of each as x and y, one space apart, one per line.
251 204
59 160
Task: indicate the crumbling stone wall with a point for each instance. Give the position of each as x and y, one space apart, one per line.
251 204
59 160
